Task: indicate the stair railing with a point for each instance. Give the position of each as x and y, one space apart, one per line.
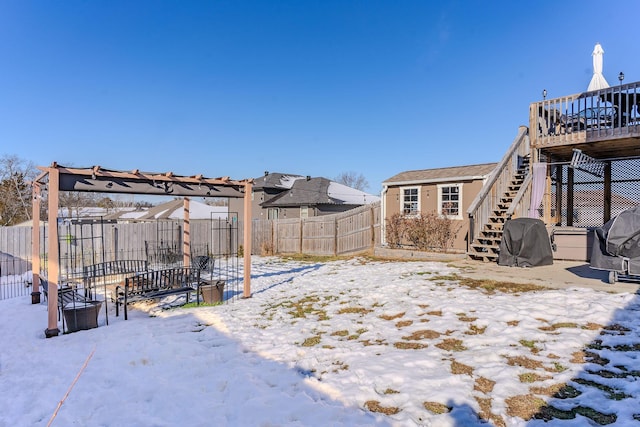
520 205
497 184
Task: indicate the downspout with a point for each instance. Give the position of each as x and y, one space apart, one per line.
383 212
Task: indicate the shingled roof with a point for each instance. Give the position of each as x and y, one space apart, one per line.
455 173
320 191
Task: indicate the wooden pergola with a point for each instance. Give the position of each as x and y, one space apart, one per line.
56 178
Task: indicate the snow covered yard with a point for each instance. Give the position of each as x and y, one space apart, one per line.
351 342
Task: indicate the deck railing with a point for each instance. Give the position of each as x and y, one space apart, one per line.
602 114
497 184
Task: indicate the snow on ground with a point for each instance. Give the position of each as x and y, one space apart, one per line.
341 343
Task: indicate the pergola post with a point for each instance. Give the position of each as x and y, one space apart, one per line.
186 236
35 244
53 267
247 239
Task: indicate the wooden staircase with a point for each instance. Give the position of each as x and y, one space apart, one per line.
486 247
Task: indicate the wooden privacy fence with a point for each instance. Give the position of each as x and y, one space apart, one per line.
91 243
347 232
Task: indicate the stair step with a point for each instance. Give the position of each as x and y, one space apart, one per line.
487 248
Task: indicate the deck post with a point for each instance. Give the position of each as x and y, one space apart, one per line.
607 193
570 174
547 197
558 215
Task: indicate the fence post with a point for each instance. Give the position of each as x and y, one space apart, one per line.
301 235
335 236
373 227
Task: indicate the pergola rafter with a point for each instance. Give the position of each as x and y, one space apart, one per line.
56 178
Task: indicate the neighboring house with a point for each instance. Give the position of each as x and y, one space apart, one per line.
279 196
174 209
447 191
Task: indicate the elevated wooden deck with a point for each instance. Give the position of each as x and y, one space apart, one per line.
604 124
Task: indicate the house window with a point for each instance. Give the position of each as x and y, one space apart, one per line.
304 211
410 201
450 200
272 213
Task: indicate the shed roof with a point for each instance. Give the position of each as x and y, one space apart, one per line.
448 174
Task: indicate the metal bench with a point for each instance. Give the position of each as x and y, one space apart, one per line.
156 285
67 295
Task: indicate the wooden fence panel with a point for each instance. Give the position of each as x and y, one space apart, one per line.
287 236
91 243
319 235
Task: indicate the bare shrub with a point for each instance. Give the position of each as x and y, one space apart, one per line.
428 231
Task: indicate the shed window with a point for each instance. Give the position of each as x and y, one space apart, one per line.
410 203
450 200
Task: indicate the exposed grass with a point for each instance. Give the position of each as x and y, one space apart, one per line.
531 377
458 368
490 286
403 323
557 326
524 361
475 330
422 334
311 341
485 412
354 310
550 412
524 406
409 345
436 407
202 304
392 316
531 345
390 391
312 258
484 385
464 318
451 344
375 406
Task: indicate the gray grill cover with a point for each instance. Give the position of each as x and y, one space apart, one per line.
617 244
525 243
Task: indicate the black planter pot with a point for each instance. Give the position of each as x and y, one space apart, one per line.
82 316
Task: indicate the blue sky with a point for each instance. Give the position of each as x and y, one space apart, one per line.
236 88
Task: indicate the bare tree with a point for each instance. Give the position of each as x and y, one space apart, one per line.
15 191
72 202
353 180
